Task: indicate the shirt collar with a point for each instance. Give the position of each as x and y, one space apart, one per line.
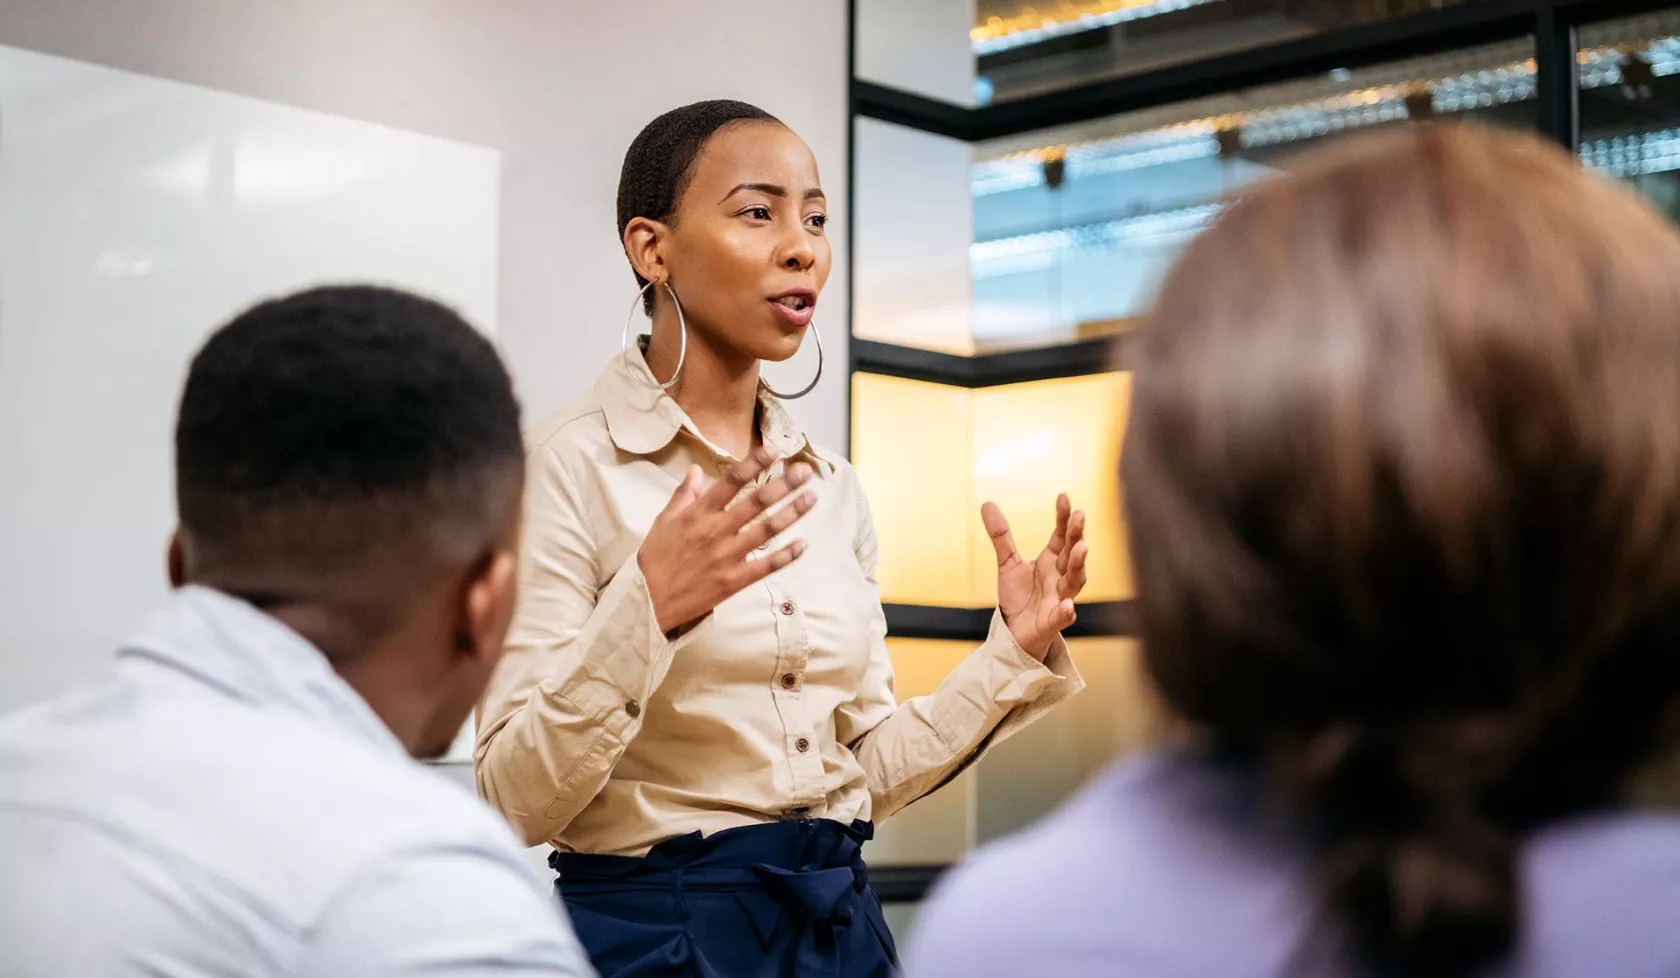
641 419
226 643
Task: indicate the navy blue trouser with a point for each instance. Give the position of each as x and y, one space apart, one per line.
760 901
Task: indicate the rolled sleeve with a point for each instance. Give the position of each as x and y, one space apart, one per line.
578 667
908 749
1013 682
622 657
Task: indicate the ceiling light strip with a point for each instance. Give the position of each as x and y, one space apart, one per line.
1514 82
1042 249
1623 156
1003 34
1635 155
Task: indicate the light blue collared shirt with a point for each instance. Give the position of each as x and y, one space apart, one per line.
224 804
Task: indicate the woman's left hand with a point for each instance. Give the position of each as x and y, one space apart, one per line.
1037 598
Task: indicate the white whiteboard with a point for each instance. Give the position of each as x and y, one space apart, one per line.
136 215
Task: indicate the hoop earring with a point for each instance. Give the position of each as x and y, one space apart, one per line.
682 331
808 388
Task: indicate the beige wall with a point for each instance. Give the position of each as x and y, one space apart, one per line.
559 87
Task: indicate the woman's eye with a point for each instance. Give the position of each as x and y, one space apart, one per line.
757 213
818 221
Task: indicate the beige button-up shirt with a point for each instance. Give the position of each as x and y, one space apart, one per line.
598 734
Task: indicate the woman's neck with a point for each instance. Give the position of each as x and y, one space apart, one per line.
718 389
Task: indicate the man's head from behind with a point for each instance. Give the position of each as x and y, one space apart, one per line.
348 460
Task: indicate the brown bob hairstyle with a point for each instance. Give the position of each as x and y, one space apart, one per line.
1403 481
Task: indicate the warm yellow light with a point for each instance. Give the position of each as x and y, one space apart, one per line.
929 455
940 827
1028 18
910 444
1032 441
1031 773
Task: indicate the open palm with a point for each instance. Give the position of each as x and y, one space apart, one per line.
1037 597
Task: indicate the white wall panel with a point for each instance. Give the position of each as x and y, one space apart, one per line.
137 214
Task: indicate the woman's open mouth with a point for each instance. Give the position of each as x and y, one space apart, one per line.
795 307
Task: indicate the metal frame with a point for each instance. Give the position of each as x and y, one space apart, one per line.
1096 619
1552 24
1076 359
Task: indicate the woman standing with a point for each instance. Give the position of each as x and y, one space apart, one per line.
696 708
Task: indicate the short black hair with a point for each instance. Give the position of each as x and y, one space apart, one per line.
661 158
345 417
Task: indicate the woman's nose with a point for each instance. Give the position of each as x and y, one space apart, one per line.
796 252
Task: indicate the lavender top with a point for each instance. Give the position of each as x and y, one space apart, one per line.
1173 866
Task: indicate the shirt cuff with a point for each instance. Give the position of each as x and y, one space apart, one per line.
998 689
1031 681
626 657
1023 688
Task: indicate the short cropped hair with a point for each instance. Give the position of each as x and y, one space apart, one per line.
660 162
335 423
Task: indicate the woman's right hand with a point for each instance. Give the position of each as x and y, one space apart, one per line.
704 546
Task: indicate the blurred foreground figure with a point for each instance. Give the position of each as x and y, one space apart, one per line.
237 798
1403 475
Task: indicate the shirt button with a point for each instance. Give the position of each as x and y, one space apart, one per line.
787 607
633 708
789 680
802 745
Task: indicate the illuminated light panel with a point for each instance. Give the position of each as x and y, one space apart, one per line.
1118 714
941 827
1031 27
911 446
1030 774
1034 440
1017 445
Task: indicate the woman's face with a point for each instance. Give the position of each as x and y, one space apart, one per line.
746 250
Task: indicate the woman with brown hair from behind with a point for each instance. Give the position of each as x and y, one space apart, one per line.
1403 476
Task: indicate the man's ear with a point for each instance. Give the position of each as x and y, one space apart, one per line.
177 560
487 606
644 245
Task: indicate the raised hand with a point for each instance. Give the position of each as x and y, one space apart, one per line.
1037 598
702 546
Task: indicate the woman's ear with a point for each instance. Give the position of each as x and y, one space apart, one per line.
644 243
